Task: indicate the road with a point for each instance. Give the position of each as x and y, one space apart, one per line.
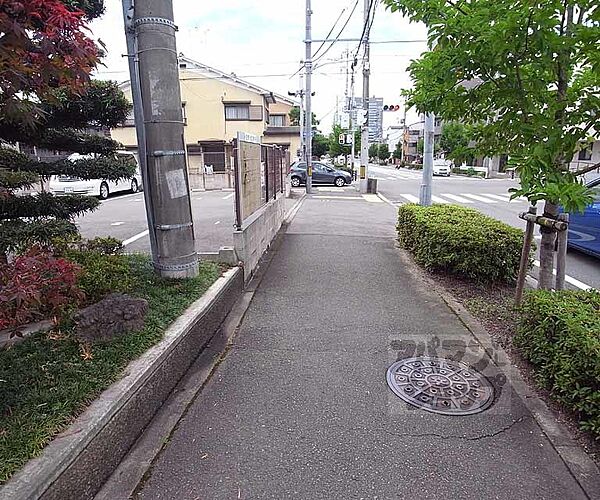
124 217
489 196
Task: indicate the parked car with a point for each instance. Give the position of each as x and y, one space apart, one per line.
442 167
584 228
65 184
322 174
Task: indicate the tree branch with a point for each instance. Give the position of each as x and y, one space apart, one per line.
587 169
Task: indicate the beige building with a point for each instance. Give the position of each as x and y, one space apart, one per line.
216 106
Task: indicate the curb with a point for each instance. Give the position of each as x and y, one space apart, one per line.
579 464
80 459
131 474
291 213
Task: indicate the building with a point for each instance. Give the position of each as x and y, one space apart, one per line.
375 116
216 106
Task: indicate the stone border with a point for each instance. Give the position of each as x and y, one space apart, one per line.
80 459
579 464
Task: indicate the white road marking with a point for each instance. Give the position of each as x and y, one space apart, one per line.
198 198
230 195
500 197
410 197
135 238
117 223
437 199
218 222
372 198
392 178
569 279
478 198
138 199
455 197
355 198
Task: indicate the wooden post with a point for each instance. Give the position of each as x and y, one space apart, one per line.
525 256
561 254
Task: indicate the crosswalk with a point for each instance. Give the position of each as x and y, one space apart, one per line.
462 198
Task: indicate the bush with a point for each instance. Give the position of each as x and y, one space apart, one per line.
559 333
101 273
36 285
461 241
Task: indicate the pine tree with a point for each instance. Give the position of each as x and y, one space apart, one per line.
48 101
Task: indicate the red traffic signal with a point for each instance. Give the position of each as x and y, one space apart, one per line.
391 107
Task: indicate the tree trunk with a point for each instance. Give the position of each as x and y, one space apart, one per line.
547 245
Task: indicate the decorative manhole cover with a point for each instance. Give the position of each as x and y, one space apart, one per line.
440 385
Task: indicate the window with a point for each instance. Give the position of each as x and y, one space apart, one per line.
277 121
237 111
585 153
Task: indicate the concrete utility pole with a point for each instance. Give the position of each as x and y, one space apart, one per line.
428 144
167 182
307 93
364 134
138 115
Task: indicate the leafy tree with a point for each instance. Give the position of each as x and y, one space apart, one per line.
454 141
373 150
383 152
320 144
295 117
526 76
47 100
335 148
397 153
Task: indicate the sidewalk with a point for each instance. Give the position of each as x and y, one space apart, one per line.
300 407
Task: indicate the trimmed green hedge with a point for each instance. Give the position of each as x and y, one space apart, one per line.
460 241
559 333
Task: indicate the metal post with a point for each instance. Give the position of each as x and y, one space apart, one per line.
561 254
524 264
302 126
307 93
163 119
364 134
350 111
428 143
138 115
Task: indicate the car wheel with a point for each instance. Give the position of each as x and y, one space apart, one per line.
134 186
104 191
339 181
295 181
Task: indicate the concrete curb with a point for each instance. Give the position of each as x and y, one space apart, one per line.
80 459
290 214
136 467
578 463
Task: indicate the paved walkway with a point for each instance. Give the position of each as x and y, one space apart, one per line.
300 407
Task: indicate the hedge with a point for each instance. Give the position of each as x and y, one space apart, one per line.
460 241
559 333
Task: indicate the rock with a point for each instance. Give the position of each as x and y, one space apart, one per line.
114 315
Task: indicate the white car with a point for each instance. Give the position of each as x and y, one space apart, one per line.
442 167
65 184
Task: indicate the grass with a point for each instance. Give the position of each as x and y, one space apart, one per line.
47 380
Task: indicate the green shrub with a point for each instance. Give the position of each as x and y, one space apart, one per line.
559 333
101 273
104 245
461 241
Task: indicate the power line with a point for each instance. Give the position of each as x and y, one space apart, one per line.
330 31
364 31
339 34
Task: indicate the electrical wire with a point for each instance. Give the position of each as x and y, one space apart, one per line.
331 30
367 25
339 34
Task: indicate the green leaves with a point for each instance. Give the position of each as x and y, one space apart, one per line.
526 83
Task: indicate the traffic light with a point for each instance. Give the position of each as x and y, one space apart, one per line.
342 139
391 107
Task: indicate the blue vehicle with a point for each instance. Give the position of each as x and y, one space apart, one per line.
584 228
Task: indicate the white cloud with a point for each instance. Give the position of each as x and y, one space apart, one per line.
259 40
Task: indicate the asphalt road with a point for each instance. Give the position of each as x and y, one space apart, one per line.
124 217
489 196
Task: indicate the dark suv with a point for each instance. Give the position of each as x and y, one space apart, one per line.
322 174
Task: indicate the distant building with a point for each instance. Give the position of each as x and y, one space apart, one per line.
375 116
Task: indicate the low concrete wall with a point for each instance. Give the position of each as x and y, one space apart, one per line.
257 234
215 181
78 461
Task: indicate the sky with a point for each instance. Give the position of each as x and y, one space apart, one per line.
262 42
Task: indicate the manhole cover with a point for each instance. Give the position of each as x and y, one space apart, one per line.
440 385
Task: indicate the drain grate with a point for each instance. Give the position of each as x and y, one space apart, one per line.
440 385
